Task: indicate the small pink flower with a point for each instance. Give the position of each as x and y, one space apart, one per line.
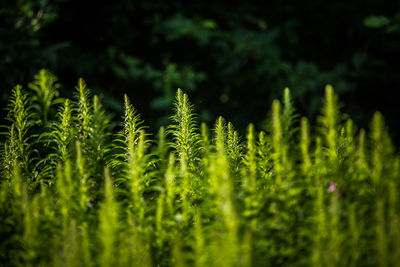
92 200
332 187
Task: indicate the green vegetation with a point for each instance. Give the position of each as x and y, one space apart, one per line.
222 53
77 189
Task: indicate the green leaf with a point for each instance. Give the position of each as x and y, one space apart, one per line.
376 22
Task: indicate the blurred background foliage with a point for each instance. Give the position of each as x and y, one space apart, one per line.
232 57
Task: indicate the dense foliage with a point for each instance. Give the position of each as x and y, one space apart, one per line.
224 53
78 190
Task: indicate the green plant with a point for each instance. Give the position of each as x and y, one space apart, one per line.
81 192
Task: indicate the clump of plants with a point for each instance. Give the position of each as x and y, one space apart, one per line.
77 189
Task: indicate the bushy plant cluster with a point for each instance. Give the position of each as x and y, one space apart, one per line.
79 190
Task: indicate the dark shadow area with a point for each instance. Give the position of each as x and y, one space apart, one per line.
232 57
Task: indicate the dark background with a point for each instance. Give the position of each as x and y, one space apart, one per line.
232 57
